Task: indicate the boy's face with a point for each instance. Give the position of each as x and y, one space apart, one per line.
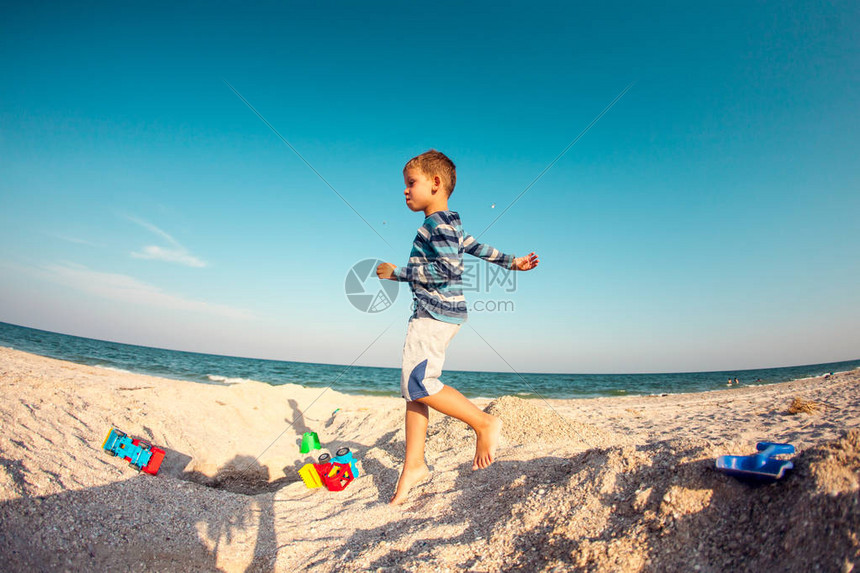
420 190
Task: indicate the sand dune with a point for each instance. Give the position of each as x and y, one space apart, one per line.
610 484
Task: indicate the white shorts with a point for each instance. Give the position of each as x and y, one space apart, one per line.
423 356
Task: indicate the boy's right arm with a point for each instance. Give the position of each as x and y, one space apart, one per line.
386 271
441 265
441 270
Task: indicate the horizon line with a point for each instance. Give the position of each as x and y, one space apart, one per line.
655 373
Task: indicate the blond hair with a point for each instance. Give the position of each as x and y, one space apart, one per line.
435 163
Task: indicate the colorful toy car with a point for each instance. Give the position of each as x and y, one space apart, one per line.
335 473
140 454
342 456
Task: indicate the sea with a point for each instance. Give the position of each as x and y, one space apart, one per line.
228 370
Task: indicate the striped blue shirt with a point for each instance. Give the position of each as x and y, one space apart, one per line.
435 266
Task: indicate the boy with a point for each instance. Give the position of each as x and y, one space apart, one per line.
434 274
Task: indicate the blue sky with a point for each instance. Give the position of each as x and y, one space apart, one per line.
707 221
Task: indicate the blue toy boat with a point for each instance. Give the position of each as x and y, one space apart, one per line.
761 466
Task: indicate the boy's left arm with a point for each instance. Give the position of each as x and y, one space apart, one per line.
526 263
492 255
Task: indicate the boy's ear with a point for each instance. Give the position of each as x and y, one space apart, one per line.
437 183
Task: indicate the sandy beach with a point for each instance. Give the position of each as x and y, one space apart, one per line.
608 484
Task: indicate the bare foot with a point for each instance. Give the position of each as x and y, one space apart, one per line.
488 441
409 477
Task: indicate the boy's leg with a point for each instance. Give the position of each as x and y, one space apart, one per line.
488 428
414 468
423 357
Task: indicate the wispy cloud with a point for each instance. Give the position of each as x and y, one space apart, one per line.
75 240
123 288
174 253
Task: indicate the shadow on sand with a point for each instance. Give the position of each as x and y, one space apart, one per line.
602 509
143 523
593 511
177 521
